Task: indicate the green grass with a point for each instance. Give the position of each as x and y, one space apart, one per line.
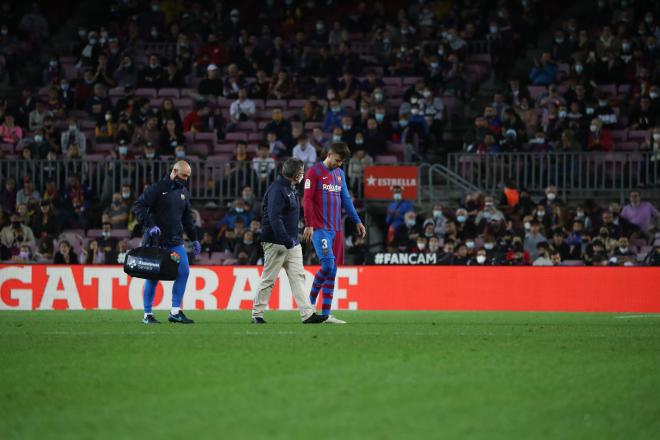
386 375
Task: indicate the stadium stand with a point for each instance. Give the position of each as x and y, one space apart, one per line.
528 141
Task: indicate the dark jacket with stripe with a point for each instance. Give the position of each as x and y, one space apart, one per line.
280 214
166 204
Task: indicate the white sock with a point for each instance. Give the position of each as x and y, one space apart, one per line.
148 314
175 310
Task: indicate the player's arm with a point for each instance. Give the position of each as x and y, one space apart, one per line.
347 203
187 221
144 204
308 203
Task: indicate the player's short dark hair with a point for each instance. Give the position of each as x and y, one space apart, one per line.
292 167
341 149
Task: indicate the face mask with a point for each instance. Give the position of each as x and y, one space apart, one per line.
24 255
378 97
435 65
656 136
336 138
150 155
123 150
593 128
559 40
469 244
38 138
653 95
493 29
579 214
125 195
437 213
397 196
346 127
403 122
421 246
489 246
336 109
410 223
154 33
92 41
579 68
108 117
528 226
239 210
414 111
413 100
359 141
461 219
623 249
380 117
106 234
540 213
625 47
247 242
562 114
364 110
551 196
180 154
602 103
53 63
481 259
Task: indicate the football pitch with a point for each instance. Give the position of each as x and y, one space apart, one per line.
385 375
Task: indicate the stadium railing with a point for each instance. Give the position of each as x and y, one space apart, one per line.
593 172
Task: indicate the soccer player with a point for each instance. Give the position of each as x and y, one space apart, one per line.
325 195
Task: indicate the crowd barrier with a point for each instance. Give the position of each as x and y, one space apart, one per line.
564 289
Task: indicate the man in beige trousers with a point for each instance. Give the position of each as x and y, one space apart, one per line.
279 238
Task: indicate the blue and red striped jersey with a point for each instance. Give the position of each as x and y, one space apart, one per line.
325 195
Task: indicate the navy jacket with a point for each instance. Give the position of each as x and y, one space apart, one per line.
280 214
166 204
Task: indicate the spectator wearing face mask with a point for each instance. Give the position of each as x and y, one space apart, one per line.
333 118
406 234
465 223
420 247
480 259
14 236
599 137
107 243
237 212
397 209
532 238
152 75
117 212
438 219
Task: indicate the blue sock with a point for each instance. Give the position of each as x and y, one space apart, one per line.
179 287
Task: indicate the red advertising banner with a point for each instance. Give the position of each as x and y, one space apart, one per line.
379 181
563 289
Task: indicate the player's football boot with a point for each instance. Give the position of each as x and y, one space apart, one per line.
180 318
149 319
315 319
258 320
332 320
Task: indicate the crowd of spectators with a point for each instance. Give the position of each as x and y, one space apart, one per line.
518 230
593 88
158 79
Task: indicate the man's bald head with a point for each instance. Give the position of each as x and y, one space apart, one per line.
181 170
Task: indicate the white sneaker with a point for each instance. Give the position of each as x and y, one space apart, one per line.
332 320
